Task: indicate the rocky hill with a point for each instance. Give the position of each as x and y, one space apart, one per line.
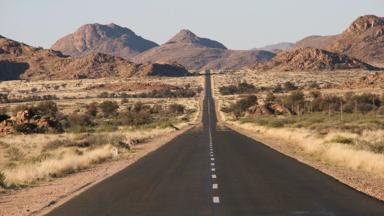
20 61
197 53
363 39
109 39
312 59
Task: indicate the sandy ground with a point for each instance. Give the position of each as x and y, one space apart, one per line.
46 196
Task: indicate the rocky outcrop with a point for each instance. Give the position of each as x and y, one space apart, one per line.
269 109
109 39
312 59
28 122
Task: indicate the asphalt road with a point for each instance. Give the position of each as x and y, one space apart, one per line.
207 171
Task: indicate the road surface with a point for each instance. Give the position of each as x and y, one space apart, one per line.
207 171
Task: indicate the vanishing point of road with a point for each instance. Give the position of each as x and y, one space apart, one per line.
217 171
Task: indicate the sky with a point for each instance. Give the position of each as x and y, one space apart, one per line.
238 24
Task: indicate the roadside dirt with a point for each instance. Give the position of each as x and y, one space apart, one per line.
41 199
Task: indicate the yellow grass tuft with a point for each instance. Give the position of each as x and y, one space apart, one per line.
68 162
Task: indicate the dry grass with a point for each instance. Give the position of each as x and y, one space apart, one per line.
67 162
62 159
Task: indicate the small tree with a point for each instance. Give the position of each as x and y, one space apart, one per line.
91 109
109 108
176 108
270 97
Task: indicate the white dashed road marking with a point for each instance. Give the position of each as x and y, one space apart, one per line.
215 186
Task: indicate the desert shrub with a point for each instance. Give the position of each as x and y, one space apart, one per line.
241 88
109 108
294 99
270 97
91 109
290 86
103 95
277 89
174 92
313 85
47 108
138 107
27 128
242 105
315 94
342 140
81 119
124 100
132 118
176 108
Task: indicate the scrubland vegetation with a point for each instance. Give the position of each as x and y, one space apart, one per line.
339 127
48 137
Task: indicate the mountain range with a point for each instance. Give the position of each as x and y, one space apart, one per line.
21 61
96 50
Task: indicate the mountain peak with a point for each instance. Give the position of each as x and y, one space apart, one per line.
110 39
186 36
363 23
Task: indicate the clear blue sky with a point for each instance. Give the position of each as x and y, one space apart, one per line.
239 24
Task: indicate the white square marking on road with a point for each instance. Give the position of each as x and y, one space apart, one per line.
212 159
212 164
215 186
214 176
216 199
213 169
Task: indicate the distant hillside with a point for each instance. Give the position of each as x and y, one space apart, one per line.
20 61
109 39
312 59
315 41
277 47
197 53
